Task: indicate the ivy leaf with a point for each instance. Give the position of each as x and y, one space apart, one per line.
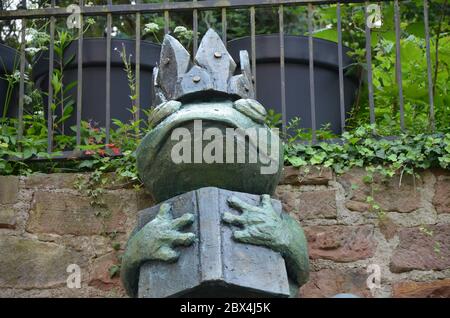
86 164
28 153
114 271
367 180
392 157
327 34
318 158
297 161
328 163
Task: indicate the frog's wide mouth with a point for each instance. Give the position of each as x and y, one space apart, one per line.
221 113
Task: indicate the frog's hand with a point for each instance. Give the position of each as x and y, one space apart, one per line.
252 109
155 241
262 225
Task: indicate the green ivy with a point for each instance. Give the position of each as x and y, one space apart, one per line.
387 156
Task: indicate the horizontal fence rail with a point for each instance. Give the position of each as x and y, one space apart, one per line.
166 8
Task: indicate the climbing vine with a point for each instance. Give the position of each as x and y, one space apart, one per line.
386 156
382 157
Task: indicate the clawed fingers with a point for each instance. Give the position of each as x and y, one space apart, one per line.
266 201
165 253
184 220
165 211
183 239
242 236
233 219
238 204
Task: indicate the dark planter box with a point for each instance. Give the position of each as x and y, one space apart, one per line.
94 78
9 62
326 77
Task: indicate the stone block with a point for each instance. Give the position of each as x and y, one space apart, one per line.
422 248
100 276
433 289
7 217
387 194
26 263
310 175
441 199
308 205
9 189
341 243
317 205
329 282
65 213
53 180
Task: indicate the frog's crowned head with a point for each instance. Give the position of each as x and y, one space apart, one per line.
208 91
211 73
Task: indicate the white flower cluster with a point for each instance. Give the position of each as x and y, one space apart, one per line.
36 41
183 33
151 27
180 29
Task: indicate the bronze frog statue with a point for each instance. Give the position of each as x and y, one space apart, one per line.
201 106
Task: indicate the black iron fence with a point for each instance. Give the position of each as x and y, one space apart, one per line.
167 8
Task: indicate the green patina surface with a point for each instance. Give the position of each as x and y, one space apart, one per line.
260 225
154 242
166 179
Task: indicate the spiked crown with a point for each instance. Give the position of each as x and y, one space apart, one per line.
211 72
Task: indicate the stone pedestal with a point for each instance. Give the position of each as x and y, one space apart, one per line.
215 265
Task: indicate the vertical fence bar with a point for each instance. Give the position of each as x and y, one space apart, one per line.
282 67
195 30
1 25
108 73
398 64
429 67
341 68
224 26
80 76
311 73
253 45
369 65
22 73
51 56
166 19
21 81
138 66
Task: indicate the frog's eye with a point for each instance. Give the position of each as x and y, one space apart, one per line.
252 109
162 111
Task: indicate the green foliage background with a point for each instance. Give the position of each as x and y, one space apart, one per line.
416 148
